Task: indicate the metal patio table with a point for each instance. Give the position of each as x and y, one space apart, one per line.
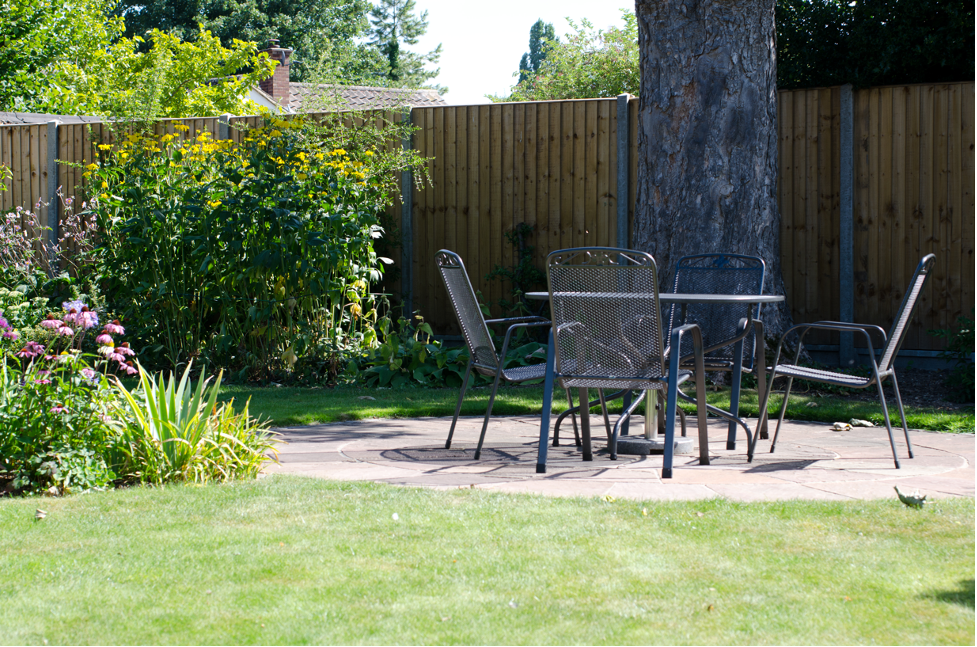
669 298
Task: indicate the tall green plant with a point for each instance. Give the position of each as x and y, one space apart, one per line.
255 256
175 431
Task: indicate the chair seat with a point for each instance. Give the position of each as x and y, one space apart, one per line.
830 377
525 373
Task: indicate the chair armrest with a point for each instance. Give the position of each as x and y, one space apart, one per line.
839 326
514 320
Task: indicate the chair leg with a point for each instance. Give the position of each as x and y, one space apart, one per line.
734 393
902 413
888 423
760 366
783 410
461 396
544 422
588 452
488 412
573 419
603 408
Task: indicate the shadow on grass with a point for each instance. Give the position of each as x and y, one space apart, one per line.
963 596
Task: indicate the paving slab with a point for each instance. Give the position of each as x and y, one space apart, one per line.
811 461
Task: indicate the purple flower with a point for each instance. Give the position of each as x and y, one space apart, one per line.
123 349
89 374
66 331
31 350
12 335
114 328
103 339
79 314
58 409
42 381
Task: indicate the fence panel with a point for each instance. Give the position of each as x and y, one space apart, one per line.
553 166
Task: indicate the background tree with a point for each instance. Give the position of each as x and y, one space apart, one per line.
877 42
392 22
36 35
707 135
541 35
590 63
312 28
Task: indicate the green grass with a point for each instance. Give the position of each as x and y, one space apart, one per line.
301 406
288 560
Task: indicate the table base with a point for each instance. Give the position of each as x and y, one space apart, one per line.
641 446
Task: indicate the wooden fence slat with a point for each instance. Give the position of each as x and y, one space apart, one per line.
496 241
966 215
590 197
884 216
603 174
506 171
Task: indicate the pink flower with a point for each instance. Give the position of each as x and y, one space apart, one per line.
58 409
42 381
66 331
103 339
106 350
11 335
114 328
30 350
131 370
118 358
88 374
123 349
52 323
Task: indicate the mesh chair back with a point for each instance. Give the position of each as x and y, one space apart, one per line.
901 324
467 311
606 318
717 274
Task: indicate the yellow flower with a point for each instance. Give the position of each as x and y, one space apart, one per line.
276 133
355 310
214 204
104 196
301 176
93 166
369 153
105 185
181 127
104 147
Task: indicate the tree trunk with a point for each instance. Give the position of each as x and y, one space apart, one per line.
707 136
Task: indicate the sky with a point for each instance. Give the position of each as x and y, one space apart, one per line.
482 42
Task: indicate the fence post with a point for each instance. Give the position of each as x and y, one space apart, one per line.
407 226
623 169
224 127
51 190
846 265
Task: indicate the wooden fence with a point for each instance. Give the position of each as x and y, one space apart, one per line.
561 166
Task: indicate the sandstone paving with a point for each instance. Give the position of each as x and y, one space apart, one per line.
811 461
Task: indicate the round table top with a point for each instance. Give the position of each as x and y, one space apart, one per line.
668 297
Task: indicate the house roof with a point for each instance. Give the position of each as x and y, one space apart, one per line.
21 118
309 96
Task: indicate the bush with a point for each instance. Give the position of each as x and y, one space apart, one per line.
251 256
959 350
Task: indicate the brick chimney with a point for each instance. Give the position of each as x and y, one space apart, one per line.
277 84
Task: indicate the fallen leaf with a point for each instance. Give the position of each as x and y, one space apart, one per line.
395 517
710 608
366 397
609 498
512 603
700 514
644 511
811 404
40 514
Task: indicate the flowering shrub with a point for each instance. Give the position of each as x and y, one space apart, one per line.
256 256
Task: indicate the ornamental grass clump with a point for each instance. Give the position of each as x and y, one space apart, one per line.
176 431
255 254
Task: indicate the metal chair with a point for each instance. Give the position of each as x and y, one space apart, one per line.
606 334
880 370
481 349
732 336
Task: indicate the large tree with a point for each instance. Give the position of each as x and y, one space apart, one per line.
393 24
542 36
314 29
707 135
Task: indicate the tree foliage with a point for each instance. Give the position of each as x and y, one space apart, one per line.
35 36
590 63
819 43
874 42
392 23
541 34
315 29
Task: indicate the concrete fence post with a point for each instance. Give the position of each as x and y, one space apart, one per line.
623 170
50 190
846 261
224 127
407 226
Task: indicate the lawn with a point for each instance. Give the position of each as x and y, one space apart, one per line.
285 406
288 560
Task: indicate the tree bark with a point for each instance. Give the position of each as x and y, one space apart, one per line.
707 136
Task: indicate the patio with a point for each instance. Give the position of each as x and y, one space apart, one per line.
811 461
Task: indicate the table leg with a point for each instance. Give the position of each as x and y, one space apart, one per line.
625 403
544 423
651 414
